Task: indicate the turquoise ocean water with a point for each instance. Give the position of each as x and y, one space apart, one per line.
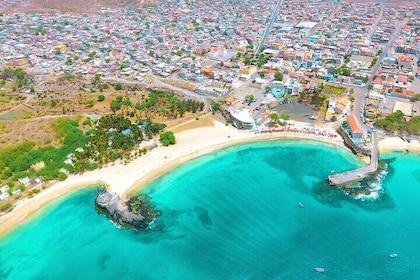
235 214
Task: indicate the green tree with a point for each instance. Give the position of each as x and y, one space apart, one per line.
215 106
101 98
249 98
285 117
118 86
416 97
167 138
278 76
366 79
96 79
6 205
115 105
90 103
274 118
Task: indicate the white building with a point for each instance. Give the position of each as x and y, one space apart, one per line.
4 189
241 118
25 181
4 196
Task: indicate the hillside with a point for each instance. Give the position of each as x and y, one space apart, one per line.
78 6
85 5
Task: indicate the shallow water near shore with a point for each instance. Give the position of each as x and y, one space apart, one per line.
235 214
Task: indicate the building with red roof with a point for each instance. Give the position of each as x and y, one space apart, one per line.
356 130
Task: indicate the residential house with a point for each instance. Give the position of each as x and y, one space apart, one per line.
401 81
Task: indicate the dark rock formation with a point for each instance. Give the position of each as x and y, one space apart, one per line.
136 213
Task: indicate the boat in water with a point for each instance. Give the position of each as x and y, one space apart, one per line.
301 204
319 269
393 255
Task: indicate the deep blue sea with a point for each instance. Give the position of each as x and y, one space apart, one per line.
235 214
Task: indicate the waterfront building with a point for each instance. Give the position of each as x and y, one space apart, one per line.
241 118
356 131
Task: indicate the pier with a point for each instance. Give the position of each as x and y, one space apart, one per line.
359 174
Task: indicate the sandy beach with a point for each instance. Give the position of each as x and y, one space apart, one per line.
194 138
391 144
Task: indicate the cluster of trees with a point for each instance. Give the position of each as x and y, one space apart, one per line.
343 71
150 128
313 97
375 59
249 98
97 83
114 137
90 56
396 122
278 76
215 106
275 118
116 104
118 86
109 138
168 104
17 161
258 60
15 73
347 58
167 138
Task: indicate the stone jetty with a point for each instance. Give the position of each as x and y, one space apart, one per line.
359 174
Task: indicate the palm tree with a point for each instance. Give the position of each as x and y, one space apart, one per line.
285 117
274 118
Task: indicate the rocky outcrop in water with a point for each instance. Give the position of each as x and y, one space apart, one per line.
136 213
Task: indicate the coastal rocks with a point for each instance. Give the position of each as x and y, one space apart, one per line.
369 194
136 213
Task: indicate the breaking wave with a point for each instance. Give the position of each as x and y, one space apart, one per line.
371 187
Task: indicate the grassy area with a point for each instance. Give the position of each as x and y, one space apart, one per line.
5 99
330 89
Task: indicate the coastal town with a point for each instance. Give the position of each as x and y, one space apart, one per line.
322 68
235 53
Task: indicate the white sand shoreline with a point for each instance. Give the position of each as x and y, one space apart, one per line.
191 143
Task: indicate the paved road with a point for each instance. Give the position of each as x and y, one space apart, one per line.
375 68
375 25
154 82
360 92
269 25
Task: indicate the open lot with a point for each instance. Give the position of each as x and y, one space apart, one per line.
297 111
